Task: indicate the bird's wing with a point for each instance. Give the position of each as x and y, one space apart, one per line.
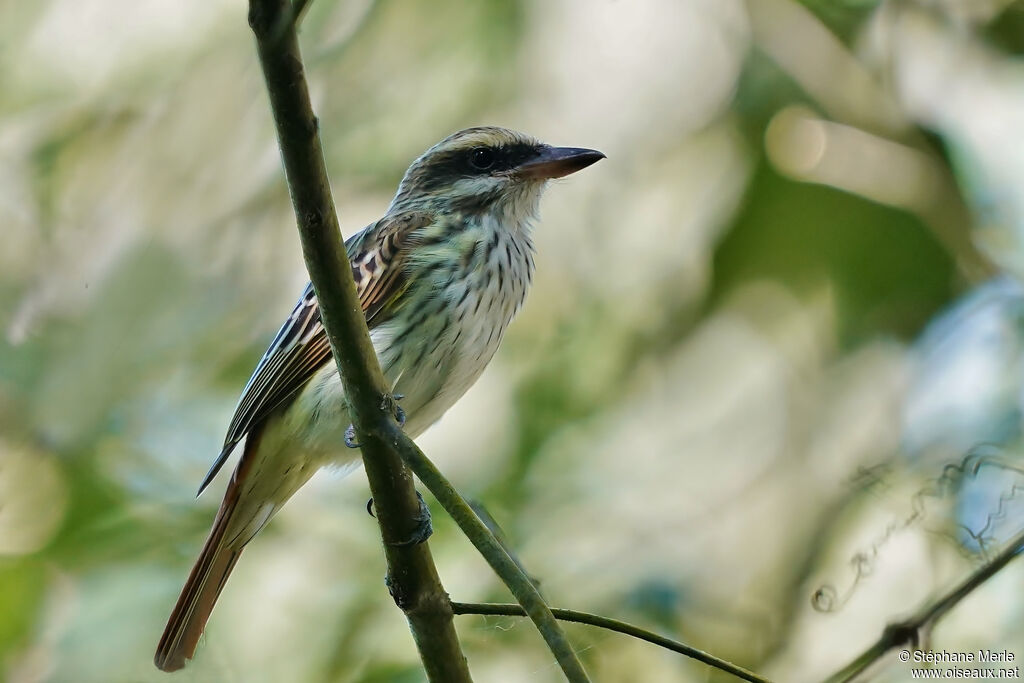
377 255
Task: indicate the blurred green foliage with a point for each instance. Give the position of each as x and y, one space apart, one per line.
805 235
750 343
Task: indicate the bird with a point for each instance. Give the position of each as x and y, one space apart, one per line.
439 278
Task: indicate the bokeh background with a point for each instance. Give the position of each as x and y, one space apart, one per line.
765 395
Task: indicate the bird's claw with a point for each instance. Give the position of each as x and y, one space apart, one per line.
387 402
390 402
350 437
423 528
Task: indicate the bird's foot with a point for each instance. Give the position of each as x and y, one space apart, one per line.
388 402
423 529
350 437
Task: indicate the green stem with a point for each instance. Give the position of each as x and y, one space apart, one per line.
617 626
513 576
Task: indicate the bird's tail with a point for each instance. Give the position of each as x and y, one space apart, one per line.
214 565
211 570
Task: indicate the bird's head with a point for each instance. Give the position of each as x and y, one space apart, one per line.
486 170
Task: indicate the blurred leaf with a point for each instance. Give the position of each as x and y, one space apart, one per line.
22 586
843 17
763 90
1007 30
887 273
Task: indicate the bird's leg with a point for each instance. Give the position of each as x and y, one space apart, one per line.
350 437
424 529
388 402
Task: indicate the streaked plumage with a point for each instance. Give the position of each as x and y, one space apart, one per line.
439 278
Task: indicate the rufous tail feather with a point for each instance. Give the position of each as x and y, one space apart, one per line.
205 581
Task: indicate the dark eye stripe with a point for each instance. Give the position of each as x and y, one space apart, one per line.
518 153
458 163
443 169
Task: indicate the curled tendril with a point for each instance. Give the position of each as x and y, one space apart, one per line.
862 564
827 598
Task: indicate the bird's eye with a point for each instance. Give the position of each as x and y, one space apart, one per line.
481 158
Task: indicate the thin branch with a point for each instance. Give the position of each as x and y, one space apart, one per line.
507 569
412 576
911 632
411 573
618 627
289 19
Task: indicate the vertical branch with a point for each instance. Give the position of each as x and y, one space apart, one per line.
386 450
412 576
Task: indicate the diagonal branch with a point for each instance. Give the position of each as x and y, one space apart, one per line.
617 626
412 576
912 631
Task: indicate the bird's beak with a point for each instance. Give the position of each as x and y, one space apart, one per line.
556 162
